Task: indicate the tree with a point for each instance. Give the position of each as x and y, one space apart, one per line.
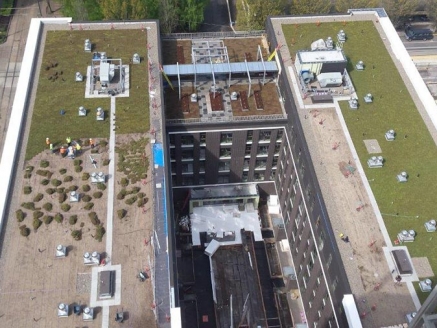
191 13
342 6
168 16
303 7
431 9
397 10
252 14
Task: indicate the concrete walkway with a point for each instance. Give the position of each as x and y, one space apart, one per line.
110 206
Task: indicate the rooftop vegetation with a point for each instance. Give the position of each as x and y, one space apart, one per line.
403 205
57 89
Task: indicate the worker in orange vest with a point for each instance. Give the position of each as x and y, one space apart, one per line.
48 141
63 151
91 143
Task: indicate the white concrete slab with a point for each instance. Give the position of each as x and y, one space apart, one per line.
116 299
224 218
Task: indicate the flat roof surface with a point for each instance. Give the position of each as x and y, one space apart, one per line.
221 219
320 56
30 275
350 203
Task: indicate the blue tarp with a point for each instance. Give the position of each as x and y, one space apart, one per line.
158 155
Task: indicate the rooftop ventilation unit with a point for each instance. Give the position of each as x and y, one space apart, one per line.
136 59
402 177
430 226
79 77
360 66
341 36
63 310
74 197
193 98
368 98
353 103
406 236
91 259
425 285
390 135
82 111
87 46
307 77
100 114
234 95
329 43
88 314
375 162
61 251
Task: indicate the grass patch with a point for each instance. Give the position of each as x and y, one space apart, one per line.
132 161
66 49
403 206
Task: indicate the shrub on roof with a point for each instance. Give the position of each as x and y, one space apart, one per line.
72 220
20 215
24 230
59 217
38 197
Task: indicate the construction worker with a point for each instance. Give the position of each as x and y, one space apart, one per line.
63 151
68 139
52 149
91 143
48 141
78 148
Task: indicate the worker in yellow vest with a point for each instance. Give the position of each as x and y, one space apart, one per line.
68 139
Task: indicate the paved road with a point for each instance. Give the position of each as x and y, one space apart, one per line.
216 16
419 48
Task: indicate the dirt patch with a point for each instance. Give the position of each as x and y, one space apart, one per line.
422 267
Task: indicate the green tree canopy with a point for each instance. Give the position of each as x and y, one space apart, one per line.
342 6
399 9
252 14
303 7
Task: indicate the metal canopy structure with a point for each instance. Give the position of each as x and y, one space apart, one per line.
210 57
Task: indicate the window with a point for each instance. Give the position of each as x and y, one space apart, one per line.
201 167
187 154
321 240
264 136
245 177
318 221
301 207
295 184
277 147
202 179
246 164
202 138
187 181
258 176
297 219
263 150
187 168
171 139
279 135
172 153
249 136
314 253
260 164
226 138
202 153
224 166
334 284
274 163
329 261
223 179
248 150
225 152
187 140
